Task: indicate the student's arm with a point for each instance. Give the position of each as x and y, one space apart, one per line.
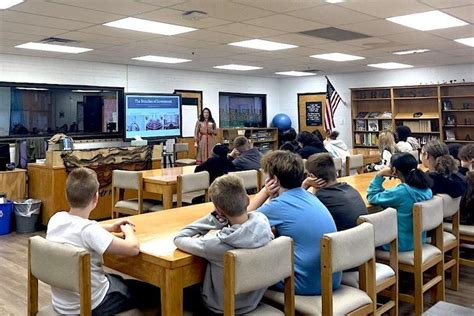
202 226
377 195
129 246
98 239
115 227
270 190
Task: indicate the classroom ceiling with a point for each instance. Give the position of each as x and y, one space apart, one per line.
236 20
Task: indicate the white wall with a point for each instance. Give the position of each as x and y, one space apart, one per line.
290 87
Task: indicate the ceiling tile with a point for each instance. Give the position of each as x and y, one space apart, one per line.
39 20
11 36
337 47
96 38
465 13
122 7
455 32
297 39
285 23
175 17
28 29
66 12
210 36
386 8
182 42
116 32
441 4
245 30
413 37
162 3
375 28
223 9
281 5
331 15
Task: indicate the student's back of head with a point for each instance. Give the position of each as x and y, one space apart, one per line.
228 195
322 166
81 187
466 155
288 146
435 155
454 149
406 167
307 139
287 167
403 132
220 151
334 135
241 143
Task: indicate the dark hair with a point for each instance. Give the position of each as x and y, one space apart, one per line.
467 152
444 163
469 195
220 150
403 132
201 116
287 136
334 135
318 135
322 166
306 139
288 146
454 150
286 166
407 166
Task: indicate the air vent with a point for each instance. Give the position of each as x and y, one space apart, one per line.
335 34
57 40
194 15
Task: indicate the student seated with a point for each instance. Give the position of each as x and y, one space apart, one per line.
235 229
466 209
454 149
217 165
443 169
244 156
387 147
309 144
111 293
288 146
296 213
343 201
406 143
336 147
415 187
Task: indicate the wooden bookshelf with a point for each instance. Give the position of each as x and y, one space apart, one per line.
457 103
264 139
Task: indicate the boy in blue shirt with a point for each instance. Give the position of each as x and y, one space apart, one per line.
295 213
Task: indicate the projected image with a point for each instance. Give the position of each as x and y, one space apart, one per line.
135 123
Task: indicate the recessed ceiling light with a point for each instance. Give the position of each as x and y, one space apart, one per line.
33 89
162 59
390 65
263 45
337 57
54 48
427 21
237 67
469 41
295 73
86 91
148 26
5 4
335 1
413 51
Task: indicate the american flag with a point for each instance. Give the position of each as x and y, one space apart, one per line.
332 101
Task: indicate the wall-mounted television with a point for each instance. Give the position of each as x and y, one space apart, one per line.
152 116
242 110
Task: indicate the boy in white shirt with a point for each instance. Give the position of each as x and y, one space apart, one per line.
110 294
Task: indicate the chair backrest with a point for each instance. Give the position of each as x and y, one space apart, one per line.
304 165
450 205
125 179
193 182
350 248
59 265
385 225
250 178
415 154
247 270
431 213
338 163
354 162
180 147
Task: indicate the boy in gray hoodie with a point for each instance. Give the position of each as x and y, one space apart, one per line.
236 229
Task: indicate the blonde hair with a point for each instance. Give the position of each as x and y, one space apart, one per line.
387 142
228 194
81 187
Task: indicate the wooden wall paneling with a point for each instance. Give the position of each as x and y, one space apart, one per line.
190 140
13 184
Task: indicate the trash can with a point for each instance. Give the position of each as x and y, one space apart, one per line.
26 215
6 217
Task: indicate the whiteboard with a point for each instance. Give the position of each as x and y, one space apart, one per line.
190 115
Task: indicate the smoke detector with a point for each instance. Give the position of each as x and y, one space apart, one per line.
194 15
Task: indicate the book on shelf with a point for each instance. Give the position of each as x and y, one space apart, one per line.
366 139
385 115
373 125
422 126
424 139
362 115
450 135
373 115
386 125
360 125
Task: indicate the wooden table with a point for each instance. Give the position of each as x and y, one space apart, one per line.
163 181
159 262
13 184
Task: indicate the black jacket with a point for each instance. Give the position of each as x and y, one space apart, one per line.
216 166
454 185
311 149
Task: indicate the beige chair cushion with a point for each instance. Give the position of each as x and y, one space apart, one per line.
467 230
132 204
338 163
188 197
186 161
265 310
356 161
180 147
345 299
450 205
431 213
250 178
351 247
385 225
125 179
193 182
408 257
47 311
63 257
382 272
448 237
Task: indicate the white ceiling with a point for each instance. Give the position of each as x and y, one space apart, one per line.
236 20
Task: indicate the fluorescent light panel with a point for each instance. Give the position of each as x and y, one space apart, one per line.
390 65
162 59
413 51
335 1
54 48
427 21
237 67
263 45
148 26
337 57
33 89
5 4
469 41
86 91
295 73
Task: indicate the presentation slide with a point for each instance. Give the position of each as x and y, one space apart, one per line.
152 116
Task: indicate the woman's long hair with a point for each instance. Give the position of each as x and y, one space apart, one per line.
201 116
387 142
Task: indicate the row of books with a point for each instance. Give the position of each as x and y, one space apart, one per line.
366 139
374 115
373 125
421 126
424 139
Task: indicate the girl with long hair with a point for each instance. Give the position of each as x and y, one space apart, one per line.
387 147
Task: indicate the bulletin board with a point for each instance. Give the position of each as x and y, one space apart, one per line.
311 111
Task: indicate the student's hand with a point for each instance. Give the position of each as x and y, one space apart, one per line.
219 217
314 182
115 227
386 172
234 153
127 229
272 187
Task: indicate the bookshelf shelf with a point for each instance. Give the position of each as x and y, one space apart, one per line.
457 96
467 110
459 125
372 99
415 98
425 116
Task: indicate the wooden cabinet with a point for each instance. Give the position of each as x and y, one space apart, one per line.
457 103
13 184
264 139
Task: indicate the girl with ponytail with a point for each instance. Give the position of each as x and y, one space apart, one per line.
415 187
466 209
443 169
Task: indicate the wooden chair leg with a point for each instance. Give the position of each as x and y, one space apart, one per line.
455 270
418 293
394 298
440 293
